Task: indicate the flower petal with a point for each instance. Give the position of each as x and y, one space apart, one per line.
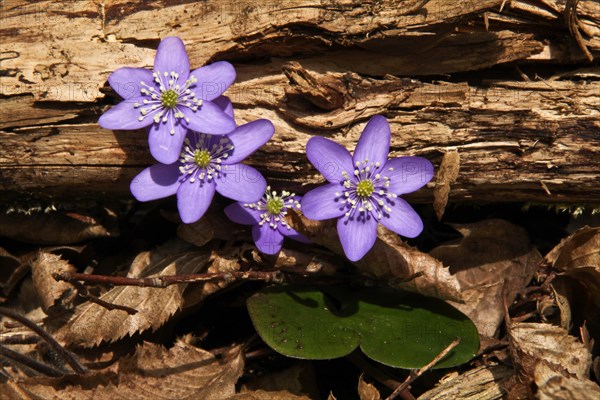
224 104
127 81
408 175
402 219
156 182
374 142
247 138
213 79
124 116
293 234
321 203
193 199
242 215
330 158
267 239
164 146
209 118
172 57
241 183
357 235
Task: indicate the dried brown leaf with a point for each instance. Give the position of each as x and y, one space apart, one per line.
183 372
198 233
154 305
581 249
264 395
222 260
390 258
551 344
554 386
52 293
578 259
481 383
313 262
367 391
212 225
58 227
447 173
563 290
493 254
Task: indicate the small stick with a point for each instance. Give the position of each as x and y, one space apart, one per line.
414 374
167 280
30 362
379 375
83 292
64 353
20 339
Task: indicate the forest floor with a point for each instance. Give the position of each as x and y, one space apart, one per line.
197 340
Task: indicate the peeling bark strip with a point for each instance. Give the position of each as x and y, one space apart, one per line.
519 137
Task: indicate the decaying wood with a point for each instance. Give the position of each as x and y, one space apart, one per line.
325 68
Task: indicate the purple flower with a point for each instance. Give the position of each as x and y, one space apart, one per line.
363 189
207 164
267 217
170 100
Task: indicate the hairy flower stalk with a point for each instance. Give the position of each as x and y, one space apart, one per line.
363 189
267 217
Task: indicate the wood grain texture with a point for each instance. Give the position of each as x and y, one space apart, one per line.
443 72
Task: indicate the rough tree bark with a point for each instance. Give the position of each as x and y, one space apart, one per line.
510 85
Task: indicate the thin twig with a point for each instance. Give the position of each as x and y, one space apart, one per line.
30 362
167 280
83 292
358 359
525 317
64 353
414 374
19 339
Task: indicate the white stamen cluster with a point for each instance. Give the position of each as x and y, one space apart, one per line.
275 207
366 191
202 161
168 98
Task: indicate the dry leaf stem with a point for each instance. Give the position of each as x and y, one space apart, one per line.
64 353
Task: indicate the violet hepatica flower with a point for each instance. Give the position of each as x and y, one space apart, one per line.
170 99
207 164
363 189
267 217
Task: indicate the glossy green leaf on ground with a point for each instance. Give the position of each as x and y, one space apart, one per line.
395 328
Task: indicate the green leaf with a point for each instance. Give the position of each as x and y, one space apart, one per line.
394 328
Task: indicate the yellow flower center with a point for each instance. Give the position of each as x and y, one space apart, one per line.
169 98
202 158
365 188
274 205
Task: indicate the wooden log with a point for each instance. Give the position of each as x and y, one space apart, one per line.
325 69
